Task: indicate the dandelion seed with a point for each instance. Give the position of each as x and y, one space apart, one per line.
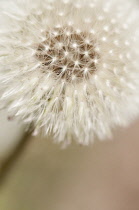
75 77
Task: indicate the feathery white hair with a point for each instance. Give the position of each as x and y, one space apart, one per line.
70 67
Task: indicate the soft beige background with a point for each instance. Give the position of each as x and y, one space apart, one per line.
11 133
103 176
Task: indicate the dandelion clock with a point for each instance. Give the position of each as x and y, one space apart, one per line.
70 68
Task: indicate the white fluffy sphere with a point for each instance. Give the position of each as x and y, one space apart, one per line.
70 67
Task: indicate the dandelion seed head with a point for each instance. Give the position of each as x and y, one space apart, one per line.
70 68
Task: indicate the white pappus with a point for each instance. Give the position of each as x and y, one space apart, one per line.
70 67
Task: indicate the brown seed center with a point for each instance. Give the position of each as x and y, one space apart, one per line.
67 53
